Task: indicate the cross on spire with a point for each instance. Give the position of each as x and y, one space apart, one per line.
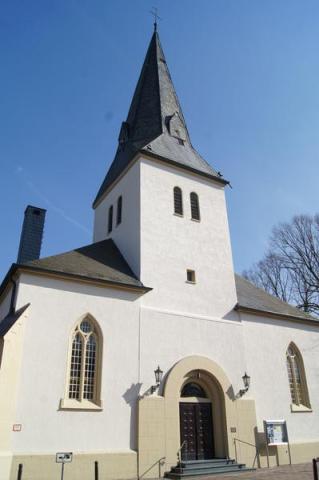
156 17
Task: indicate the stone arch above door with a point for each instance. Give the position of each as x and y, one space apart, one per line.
178 373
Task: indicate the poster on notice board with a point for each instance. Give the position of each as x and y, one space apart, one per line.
276 432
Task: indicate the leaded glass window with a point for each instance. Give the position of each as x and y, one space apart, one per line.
90 367
193 389
75 368
296 377
83 374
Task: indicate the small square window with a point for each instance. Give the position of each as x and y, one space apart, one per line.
190 276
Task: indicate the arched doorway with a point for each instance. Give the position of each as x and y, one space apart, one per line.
202 417
159 431
196 422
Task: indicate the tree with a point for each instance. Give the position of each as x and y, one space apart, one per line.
290 267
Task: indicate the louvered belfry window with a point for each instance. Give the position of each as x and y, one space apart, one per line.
119 210
178 201
296 377
83 366
110 220
194 206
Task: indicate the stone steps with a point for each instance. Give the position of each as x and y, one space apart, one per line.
214 466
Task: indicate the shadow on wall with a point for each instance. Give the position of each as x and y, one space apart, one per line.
231 394
131 397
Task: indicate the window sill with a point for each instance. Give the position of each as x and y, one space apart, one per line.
195 220
299 408
71 404
178 215
192 283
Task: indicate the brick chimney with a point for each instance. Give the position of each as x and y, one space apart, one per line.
31 235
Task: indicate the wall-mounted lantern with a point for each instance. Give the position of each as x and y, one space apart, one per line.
158 378
246 381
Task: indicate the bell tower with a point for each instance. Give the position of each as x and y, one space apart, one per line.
185 258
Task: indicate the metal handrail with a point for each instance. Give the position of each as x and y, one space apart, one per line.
246 443
179 452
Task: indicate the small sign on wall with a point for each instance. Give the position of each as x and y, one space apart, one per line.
64 457
16 427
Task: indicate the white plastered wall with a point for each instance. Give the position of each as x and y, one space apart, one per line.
266 343
171 244
167 338
10 371
127 234
56 306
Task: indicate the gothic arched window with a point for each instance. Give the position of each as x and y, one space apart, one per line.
119 210
84 375
110 220
194 206
297 377
178 201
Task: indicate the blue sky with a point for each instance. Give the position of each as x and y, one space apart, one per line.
246 72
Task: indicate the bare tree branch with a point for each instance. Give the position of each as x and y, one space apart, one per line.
290 268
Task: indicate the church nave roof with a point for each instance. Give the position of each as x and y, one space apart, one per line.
101 261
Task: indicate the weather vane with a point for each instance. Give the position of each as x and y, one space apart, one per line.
156 17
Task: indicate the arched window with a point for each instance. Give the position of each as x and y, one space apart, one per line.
119 210
110 221
194 206
193 389
297 377
84 376
178 201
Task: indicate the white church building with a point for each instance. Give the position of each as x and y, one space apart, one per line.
82 332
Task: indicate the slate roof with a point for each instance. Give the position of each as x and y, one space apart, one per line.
146 129
103 262
8 321
97 261
253 298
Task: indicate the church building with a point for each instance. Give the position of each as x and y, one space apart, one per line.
143 354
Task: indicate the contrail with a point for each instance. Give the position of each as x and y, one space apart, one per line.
20 172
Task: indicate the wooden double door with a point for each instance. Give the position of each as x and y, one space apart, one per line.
196 424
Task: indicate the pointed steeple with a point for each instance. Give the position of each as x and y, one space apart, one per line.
154 101
155 124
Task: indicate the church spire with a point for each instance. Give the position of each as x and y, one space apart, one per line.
155 124
154 101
